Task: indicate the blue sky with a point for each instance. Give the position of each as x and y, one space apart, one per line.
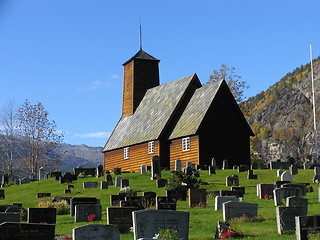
68 55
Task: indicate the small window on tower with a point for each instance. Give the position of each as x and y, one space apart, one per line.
186 144
126 153
151 147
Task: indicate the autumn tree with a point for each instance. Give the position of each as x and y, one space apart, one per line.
233 80
8 144
39 141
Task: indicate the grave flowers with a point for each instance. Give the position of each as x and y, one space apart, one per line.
167 233
224 231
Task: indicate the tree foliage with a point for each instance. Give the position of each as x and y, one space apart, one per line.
233 80
39 141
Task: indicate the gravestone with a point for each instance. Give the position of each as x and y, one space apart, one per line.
242 168
279 165
67 191
122 217
5 180
225 164
155 168
70 186
197 197
143 169
254 166
27 231
237 194
109 180
43 195
286 217
99 171
302 187
212 170
9 217
298 202
162 183
177 165
280 183
283 193
265 191
90 184
83 201
213 162
293 169
115 199
118 181
240 190
306 165
136 204
179 194
306 224
42 215
124 183
188 171
166 203
65 179
251 175
96 232
42 173
24 181
279 172
286 176
188 164
316 170
149 199
232 181
2 195
146 223
54 174
104 185
88 213
238 209
84 171
219 200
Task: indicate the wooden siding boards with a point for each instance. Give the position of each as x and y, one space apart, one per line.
127 97
138 155
191 155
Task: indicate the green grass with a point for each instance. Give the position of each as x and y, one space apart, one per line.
203 221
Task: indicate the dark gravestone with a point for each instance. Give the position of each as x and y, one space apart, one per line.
70 186
243 168
305 225
136 204
161 183
104 185
149 199
109 180
168 203
54 174
283 193
67 191
43 195
251 175
197 197
240 190
88 213
42 215
9 217
78 201
232 181
230 193
179 194
293 169
265 191
99 171
124 183
122 217
212 170
298 202
90 185
286 217
155 168
279 183
2 195
279 165
84 171
66 179
302 186
115 199
27 231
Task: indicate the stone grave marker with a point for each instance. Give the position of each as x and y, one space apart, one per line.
286 217
237 194
265 190
155 168
2 195
166 203
54 174
88 213
212 170
280 183
115 199
178 194
219 200
121 217
213 162
306 165
67 191
118 181
109 180
306 224
302 187
279 165
90 184
129 203
9 217
84 171
162 182
316 170
225 164
70 186
293 169
283 193
279 172
43 195
124 183
232 181
177 165
99 171
104 185
286 176
83 201
197 197
188 164
149 199
241 190
42 215
146 223
251 175
42 173
298 202
143 169
242 168
238 209
27 231
96 232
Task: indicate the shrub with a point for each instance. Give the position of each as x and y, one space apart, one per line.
62 207
179 178
117 171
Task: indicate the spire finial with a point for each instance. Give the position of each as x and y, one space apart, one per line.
140 35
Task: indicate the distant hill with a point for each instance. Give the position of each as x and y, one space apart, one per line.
80 155
282 117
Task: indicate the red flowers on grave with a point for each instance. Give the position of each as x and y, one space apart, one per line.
91 217
231 233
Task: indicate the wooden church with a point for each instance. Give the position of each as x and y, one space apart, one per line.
178 120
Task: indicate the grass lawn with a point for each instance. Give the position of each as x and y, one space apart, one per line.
203 221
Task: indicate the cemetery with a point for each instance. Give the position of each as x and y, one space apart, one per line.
135 206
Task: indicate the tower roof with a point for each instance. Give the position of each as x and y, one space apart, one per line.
142 55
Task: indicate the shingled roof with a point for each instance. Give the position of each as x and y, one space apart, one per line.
143 56
195 111
151 116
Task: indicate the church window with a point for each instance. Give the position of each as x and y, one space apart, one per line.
126 153
186 144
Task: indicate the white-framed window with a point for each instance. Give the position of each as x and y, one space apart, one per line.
186 144
126 153
151 147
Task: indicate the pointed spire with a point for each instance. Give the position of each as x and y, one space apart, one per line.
140 35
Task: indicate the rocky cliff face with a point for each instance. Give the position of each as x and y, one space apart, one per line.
282 117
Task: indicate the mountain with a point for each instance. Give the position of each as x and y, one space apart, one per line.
79 155
282 117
